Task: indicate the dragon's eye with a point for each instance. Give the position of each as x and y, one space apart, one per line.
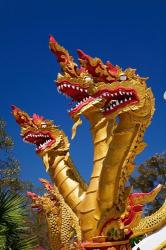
123 78
43 125
88 79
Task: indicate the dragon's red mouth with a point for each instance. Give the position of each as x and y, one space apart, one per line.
77 93
117 98
114 98
74 91
42 140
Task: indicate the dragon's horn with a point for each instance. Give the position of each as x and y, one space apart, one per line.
113 70
20 116
103 72
46 184
89 62
144 198
37 118
31 195
66 61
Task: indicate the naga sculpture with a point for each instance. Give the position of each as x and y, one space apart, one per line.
63 226
119 107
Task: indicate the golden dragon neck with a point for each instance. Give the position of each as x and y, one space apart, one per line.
63 224
70 228
54 223
106 142
52 211
66 178
115 147
118 165
151 223
127 142
89 213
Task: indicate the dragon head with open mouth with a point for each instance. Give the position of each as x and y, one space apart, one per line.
95 84
48 201
41 132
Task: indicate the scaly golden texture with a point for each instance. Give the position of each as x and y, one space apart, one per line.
151 223
53 215
63 225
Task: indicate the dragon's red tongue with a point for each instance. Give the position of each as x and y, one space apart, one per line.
42 140
35 140
72 90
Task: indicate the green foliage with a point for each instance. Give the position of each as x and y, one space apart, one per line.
12 186
14 229
150 174
136 240
9 166
39 227
6 142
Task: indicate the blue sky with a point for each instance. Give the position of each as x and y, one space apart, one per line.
128 33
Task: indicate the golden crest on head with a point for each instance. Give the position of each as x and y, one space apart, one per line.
97 86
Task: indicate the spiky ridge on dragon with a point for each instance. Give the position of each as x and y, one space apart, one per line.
103 92
63 226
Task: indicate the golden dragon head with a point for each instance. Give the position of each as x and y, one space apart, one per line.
41 132
94 83
47 202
